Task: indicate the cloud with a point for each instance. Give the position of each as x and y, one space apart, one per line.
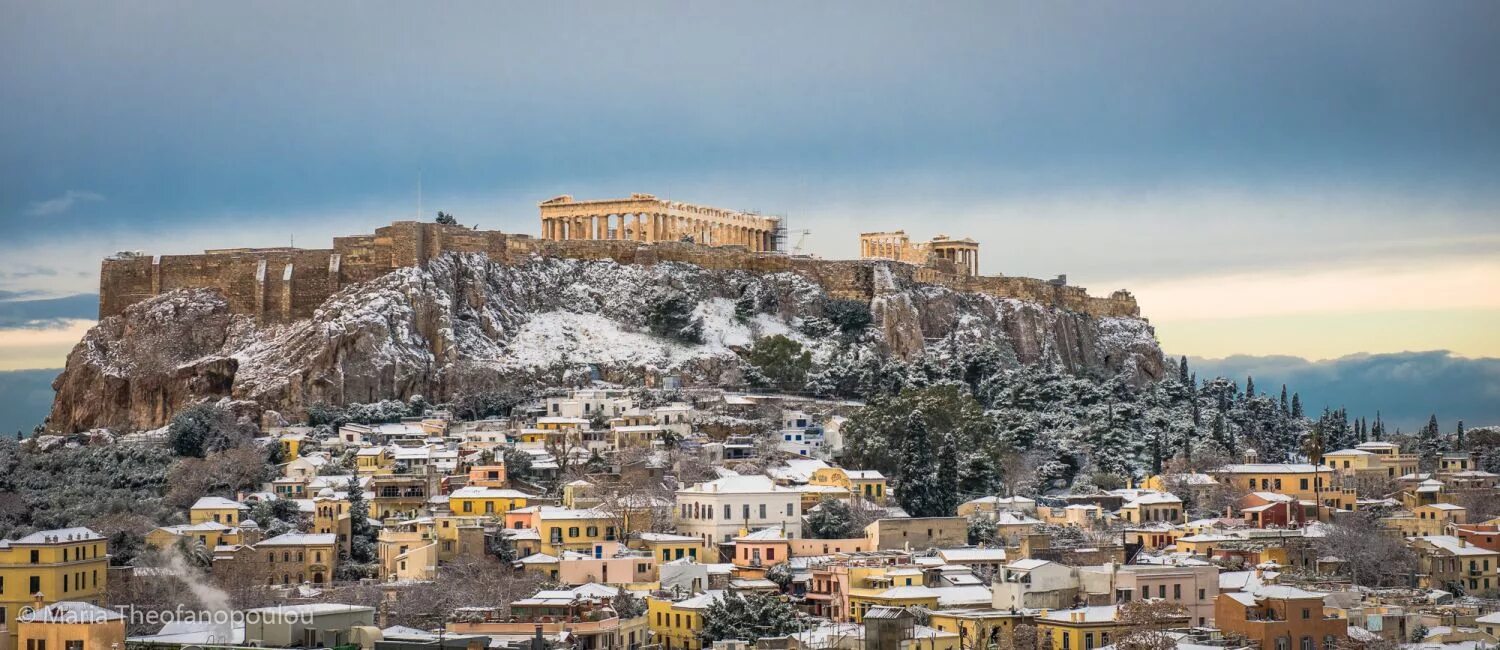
62 204
18 312
1405 387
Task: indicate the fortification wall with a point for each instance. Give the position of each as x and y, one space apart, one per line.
282 284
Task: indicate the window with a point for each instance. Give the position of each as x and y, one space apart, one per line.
593 531
1304 481
572 531
36 556
1283 643
1088 641
745 511
1161 591
468 506
788 509
35 584
762 511
1307 643
1177 592
1202 594
1306 614
729 514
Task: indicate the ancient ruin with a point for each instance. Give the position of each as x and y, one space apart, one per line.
962 254
645 218
285 284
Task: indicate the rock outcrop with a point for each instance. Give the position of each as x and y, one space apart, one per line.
462 323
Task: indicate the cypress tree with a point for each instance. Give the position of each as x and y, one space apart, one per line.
1296 405
1182 370
1249 387
918 472
1459 444
946 497
1285 407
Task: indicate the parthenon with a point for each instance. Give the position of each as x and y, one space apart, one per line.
963 253
645 218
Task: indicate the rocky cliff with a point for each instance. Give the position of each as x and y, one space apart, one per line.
463 323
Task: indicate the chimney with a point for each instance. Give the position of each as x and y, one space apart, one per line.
38 602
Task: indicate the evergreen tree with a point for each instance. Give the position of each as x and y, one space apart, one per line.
947 480
979 475
1296 405
1249 387
1377 430
1429 444
1458 445
361 533
748 618
1182 371
1286 408
918 474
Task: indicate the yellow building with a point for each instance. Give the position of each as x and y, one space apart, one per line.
869 484
1082 628
374 460
1153 507
65 564
70 625
574 530
413 549
1302 480
486 501
1373 458
1426 520
861 600
331 517
979 628
218 510
291 445
666 547
675 625
208 533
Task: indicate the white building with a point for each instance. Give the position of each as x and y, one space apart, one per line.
718 510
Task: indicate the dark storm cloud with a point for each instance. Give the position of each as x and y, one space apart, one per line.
179 110
19 310
1406 387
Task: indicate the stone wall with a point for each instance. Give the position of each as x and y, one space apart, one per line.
283 284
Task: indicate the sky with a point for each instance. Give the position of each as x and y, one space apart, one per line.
1273 178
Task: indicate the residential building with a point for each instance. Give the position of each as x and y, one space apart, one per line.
68 564
911 533
718 510
70 625
1035 584
486 501
1300 480
1280 617
218 510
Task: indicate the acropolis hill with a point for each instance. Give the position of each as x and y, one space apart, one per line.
287 284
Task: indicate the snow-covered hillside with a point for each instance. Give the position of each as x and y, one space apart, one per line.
464 323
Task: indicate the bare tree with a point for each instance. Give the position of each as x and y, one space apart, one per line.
465 582
1145 623
1023 637
1373 555
1019 469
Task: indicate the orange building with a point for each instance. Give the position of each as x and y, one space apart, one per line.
1280 617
